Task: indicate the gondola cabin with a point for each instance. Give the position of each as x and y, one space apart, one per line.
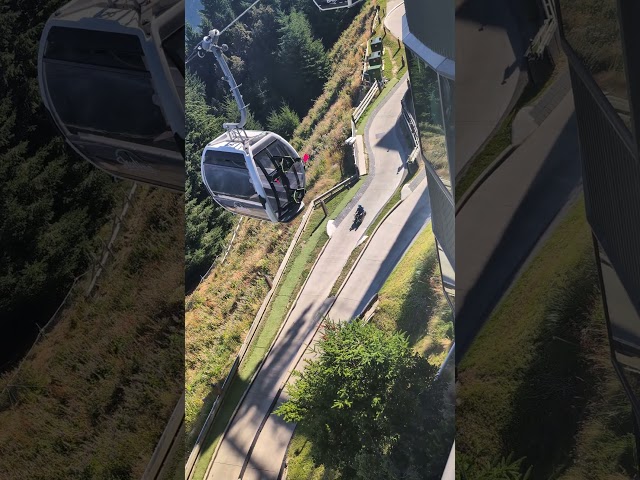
111 75
255 174
335 4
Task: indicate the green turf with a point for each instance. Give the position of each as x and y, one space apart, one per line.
546 333
412 301
301 465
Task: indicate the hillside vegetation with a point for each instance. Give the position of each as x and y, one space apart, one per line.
552 356
220 311
53 203
95 395
278 54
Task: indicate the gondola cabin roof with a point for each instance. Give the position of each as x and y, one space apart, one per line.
233 142
335 4
122 12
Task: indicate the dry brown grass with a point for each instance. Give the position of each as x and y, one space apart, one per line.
94 397
221 310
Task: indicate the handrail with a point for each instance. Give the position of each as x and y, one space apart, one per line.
360 109
167 445
411 123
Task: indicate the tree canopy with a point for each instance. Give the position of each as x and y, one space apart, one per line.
372 408
283 122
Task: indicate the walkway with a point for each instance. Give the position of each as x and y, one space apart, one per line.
384 144
485 82
383 253
529 118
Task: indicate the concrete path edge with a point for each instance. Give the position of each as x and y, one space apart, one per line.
523 80
486 173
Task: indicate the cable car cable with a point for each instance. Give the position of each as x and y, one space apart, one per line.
239 16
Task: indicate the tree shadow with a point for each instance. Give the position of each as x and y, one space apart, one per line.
558 382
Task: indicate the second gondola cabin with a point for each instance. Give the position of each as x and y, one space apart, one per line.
256 174
335 4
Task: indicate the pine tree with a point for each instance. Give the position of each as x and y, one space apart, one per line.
53 202
283 122
371 407
304 66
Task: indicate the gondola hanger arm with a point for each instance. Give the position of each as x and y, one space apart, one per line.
210 44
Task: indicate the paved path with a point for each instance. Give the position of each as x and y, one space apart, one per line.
529 118
393 18
504 219
485 84
384 143
488 65
383 253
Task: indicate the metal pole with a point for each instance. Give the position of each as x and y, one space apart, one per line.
210 44
324 208
636 432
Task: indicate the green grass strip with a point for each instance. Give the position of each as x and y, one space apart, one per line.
491 372
412 301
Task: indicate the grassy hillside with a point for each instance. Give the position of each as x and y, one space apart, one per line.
412 301
545 349
220 311
94 397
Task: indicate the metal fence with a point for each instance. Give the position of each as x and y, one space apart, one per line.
366 101
411 123
169 445
546 32
224 255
